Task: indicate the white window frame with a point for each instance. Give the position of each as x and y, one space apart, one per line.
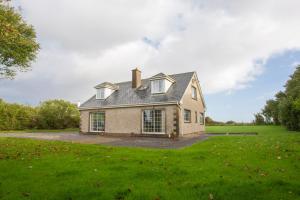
91 122
201 118
190 113
158 86
194 92
100 93
163 120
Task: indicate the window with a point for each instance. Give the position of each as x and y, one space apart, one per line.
153 121
157 86
196 117
187 116
100 93
194 92
201 118
97 121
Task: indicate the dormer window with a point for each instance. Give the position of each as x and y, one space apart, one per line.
158 86
105 89
100 93
160 83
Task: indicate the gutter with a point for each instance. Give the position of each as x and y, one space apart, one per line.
131 105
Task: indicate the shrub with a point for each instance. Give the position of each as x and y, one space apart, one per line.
51 114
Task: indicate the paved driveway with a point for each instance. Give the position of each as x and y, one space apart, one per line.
151 142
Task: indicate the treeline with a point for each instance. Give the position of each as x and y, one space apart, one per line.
284 109
210 122
51 114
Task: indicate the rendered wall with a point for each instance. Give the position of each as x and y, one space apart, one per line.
193 105
126 120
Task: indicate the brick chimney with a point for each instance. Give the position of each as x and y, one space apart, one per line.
136 78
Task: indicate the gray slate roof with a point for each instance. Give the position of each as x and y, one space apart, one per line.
126 95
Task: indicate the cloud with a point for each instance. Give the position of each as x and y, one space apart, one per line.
88 42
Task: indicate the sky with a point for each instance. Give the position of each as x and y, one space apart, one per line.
243 51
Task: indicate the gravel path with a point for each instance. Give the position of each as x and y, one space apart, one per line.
151 142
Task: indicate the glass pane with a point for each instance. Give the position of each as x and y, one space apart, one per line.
97 121
187 115
153 121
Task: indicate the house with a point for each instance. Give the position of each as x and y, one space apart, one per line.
168 105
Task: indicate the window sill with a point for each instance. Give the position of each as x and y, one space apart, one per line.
97 131
158 93
159 133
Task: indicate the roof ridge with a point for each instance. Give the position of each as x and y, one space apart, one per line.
154 75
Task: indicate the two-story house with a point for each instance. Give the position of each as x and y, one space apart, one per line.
162 104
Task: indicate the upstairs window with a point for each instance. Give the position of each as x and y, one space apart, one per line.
158 86
100 93
187 116
194 92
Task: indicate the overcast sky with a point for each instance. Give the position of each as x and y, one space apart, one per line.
236 47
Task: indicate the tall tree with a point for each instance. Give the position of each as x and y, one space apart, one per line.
259 119
289 106
285 108
18 45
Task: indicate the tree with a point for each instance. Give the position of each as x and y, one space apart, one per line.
51 114
285 109
271 112
230 122
16 116
289 105
58 114
18 45
259 119
209 121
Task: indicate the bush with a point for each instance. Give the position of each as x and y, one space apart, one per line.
57 114
52 114
16 116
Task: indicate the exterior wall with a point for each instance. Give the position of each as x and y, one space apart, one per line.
127 120
193 105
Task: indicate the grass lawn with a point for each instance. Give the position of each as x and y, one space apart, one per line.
42 130
266 166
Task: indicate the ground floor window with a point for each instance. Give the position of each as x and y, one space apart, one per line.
97 121
187 116
201 118
153 121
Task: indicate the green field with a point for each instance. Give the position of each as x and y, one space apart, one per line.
266 166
